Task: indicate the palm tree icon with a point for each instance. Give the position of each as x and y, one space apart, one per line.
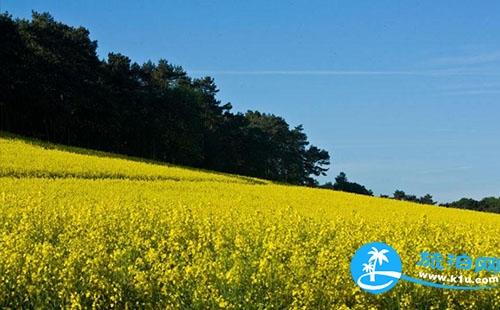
367 268
376 256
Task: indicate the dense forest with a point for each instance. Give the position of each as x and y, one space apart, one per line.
54 87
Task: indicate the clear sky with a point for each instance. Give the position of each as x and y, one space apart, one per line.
403 96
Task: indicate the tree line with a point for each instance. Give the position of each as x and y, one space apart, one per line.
343 184
488 204
54 87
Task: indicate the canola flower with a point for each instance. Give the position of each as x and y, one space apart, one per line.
86 230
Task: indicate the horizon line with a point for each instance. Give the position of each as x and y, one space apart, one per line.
439 72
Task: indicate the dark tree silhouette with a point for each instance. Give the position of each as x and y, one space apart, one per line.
54 87
401 195
343 184
488 204
427 199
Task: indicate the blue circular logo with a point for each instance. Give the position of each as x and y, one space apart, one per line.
376 267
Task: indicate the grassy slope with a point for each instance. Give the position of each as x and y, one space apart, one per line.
68 198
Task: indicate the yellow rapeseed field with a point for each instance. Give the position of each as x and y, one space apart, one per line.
82 229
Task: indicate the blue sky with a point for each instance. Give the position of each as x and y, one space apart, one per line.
403 96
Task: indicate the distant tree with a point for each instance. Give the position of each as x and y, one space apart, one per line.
341 179
427 199
343 184
411 198
464 203
488 204
399 195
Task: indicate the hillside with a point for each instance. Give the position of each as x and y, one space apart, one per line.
96 229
